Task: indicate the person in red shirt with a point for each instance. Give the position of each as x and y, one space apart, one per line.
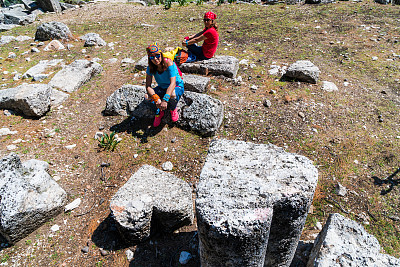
210 37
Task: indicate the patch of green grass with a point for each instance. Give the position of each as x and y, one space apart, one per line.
5 258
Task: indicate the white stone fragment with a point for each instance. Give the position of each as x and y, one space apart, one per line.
73 205
167 166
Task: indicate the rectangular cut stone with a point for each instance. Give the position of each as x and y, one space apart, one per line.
30 99
242 176
227 66
73 76
196 83
41 67
151 198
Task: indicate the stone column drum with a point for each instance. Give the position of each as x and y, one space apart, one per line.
251 205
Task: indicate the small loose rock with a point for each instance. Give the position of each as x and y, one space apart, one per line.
167 166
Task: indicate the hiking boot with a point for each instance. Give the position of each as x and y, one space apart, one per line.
157 119
174 115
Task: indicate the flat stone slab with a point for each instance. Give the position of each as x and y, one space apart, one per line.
302 71
57 97
74 75
41 68
30 99
242 185
195 83
344 242
200 113
18 17
151 197
220 65
6 27
29 197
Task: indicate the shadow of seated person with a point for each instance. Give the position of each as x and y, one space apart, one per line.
140 122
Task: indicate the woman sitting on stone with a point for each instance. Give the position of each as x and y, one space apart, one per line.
210 37
169 83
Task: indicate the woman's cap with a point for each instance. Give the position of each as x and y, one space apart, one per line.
153 48
210 15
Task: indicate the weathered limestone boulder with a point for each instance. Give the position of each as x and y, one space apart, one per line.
241 186
74 75
30 99
329 86
50 5
302 71
54 45
53 30
6 27
151 198
200 113
5 39
142 63
220 65
125 100
195 83
29 5
92 39
29 197
344 242
41 68
65 6
18 17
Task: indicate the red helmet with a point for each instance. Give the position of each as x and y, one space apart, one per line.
210 15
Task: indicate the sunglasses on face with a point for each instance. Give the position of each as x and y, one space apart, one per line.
206 20
156 56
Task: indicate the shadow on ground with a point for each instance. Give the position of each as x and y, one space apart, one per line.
3 242
159 251
165 250
388 180
140 128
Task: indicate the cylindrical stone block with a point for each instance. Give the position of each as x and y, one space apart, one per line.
240 179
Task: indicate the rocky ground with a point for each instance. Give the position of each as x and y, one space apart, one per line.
352 135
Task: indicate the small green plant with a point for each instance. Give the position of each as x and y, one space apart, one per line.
220 2
28 242
182 2
199 2
108 142
167 4
5 258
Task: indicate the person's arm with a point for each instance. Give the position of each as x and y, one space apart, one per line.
198 37
150 91
170 88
